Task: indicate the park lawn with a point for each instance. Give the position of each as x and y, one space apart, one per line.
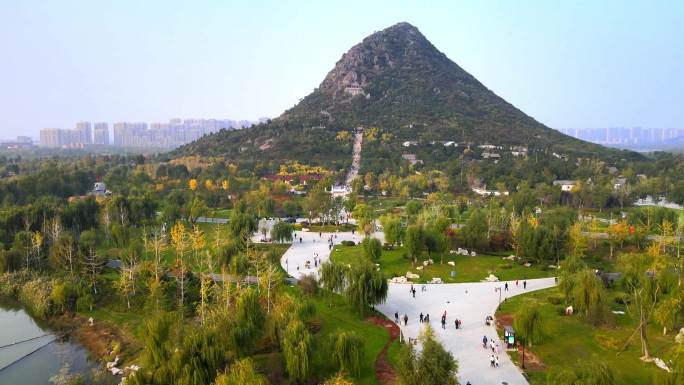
468 269
225 213
570 340
342 317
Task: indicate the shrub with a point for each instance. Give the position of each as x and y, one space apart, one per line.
608 342
555 299
622 299
308 284
348 243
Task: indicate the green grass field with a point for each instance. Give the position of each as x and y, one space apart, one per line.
468 269
341 317
570 339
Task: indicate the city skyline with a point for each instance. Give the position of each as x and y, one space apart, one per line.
249 60
168 135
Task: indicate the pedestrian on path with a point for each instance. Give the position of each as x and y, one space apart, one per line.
516 283
396 317
414 292
484 342
456 323
525 285
491 360
405 319
443 323
506 287
427 318
496 361
421 317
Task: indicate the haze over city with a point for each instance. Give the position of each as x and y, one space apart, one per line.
618 64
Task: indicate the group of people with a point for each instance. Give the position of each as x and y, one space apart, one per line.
490 343
404 318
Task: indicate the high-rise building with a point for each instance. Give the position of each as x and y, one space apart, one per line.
51 137
101 134
84 132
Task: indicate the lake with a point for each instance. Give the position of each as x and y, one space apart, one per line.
31 353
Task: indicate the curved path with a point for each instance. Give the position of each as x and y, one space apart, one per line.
312 244
471 303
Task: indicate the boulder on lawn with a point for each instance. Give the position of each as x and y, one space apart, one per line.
436 280
411 275
451 263
420 267
399 280
492 278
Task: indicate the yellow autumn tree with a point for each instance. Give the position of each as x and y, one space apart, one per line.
192 184
343 136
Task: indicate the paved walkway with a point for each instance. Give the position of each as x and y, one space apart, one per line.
313 243
471 303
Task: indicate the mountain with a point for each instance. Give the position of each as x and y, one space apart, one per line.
397 81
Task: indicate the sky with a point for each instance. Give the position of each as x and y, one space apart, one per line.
566 63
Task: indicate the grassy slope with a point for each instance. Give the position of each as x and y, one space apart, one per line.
569 340
468 269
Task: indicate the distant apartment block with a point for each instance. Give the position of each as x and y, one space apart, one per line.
84 132
101 134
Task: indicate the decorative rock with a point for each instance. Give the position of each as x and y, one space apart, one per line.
436 280
473 254
399 280
411 275
492 278
420 267
661 364
451 263
527 264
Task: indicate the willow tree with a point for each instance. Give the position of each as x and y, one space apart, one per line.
333 278
249 321
641 281
241 372
296 347
348 352
432 365
282 232
529 324
589 296
365 286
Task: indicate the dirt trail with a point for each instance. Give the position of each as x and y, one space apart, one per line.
384 371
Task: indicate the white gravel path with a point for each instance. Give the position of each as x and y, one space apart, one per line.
471 308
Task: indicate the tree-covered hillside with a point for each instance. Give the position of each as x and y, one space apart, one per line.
397 81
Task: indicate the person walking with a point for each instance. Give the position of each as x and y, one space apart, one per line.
506 287
427 318
405 319
300 239
484 342
516 283
414 293
491 360
421 317
524 285
396 317
496 361
443 323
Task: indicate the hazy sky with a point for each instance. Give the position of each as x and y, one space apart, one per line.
566 63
